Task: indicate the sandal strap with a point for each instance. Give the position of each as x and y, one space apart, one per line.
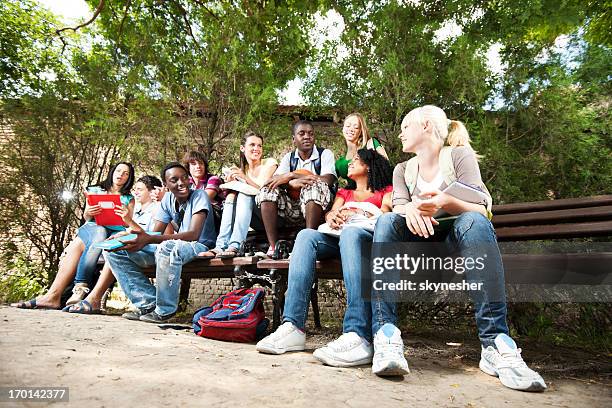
80 307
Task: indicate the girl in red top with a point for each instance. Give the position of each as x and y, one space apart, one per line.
373 176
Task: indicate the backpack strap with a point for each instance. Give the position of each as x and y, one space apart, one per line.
446 165
410 174
373 144
317 162
293 161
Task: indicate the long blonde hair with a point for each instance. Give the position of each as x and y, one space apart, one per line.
447 132
365 133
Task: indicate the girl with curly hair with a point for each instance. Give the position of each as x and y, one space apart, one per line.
372 175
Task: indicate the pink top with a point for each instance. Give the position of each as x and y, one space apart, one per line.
376 199
211 182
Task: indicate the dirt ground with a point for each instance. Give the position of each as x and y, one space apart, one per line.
107 361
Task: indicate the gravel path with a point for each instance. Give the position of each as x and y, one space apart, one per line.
107 361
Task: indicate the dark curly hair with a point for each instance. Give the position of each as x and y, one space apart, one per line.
380 173
150 182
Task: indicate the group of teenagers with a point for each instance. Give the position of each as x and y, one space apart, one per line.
301 191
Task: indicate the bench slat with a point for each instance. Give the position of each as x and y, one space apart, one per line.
548 217
212 268
523 264
572 230
546 205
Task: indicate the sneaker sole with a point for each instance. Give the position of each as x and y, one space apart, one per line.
514 383
391 369
270 350
487 368
330 361
162 320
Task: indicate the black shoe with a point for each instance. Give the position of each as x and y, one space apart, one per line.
153 317
135 315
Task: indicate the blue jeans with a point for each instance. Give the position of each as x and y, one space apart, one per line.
90 233
169 258
470 233
235 221
311 245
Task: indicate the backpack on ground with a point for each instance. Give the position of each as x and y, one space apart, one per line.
236 316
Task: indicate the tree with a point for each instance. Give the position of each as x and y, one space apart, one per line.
143 82
391 59
218 66
56 145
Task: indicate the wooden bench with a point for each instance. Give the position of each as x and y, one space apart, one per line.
553 219
542 220
201 268
215 268
242 268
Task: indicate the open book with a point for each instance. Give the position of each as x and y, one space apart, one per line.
356 220
240 187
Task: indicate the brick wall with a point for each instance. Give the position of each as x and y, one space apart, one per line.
331 296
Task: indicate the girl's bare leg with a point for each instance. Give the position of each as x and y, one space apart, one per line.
104 281
65 275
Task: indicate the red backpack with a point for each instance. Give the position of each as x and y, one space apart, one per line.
236 316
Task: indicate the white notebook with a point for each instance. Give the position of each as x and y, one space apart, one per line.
466 193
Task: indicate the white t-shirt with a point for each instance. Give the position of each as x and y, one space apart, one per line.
434 184
144 218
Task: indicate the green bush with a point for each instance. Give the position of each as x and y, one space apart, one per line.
23 279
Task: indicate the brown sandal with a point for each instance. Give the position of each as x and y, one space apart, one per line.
206 255
230 252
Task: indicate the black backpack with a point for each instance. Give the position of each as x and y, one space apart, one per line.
293 161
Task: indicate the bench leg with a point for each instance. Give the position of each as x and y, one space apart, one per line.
279 286
241 281
314 301
184 293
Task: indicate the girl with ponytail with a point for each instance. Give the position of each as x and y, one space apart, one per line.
443 156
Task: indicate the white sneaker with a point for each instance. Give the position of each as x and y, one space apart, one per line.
389 352
347 351
286 338
506 363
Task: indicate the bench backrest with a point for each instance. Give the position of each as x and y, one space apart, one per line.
565 218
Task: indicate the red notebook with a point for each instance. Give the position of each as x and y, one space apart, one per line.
107 202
